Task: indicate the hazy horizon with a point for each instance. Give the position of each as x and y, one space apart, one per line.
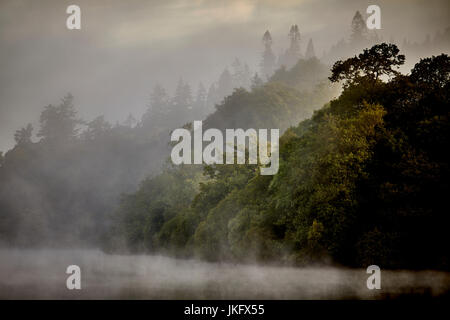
122 50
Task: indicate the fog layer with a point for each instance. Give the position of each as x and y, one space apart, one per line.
122 50
40 274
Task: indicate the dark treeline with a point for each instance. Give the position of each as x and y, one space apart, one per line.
61 182
364 181
58 191
363 176
360 37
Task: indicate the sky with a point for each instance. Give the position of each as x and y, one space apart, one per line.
125 47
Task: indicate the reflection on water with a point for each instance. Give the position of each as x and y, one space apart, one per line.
29 274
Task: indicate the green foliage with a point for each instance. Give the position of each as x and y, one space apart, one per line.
368 66
141 218
23 136
362 180
59 123
273 105
304 75
198 225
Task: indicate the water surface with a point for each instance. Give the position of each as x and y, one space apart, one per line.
40 274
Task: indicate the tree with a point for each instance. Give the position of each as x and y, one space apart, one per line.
96 128
294 36
292 55
159 106
358 28
433 71
225 84
304 75
268 59
130 121
23 136
59 123
187 96
182 101
380 60
240 76
310 50
256 81
211 98
200 101
247 76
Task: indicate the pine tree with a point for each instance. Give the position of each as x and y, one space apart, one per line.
247 77
96 128
224 85
241 74
256 81
294 36
292 55
310 53
130 121
359 29
200 102
23 136
211 98
187 96
268 59
158 108
182 102
237 73
59 123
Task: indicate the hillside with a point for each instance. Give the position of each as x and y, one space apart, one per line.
362 181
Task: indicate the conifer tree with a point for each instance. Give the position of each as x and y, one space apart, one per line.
59 123
268 59
224 85
358 29
23 136
200 108
310 50
292 54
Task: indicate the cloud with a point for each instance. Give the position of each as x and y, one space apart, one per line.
124 47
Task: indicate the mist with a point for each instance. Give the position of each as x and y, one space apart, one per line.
89 181
122 51
40 274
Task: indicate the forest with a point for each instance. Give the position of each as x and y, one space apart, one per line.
363 174
362 181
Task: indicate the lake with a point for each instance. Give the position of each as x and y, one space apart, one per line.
41 274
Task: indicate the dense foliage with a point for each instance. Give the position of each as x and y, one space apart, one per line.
363 181
164 215
61 189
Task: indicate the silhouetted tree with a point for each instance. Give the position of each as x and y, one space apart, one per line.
130 121
59 123
212 98
292 55
182 102
200 102
257 81
433 71
225 84
241 74
96 128
268 59
358 28
379 60
158 109
310 50
23 136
